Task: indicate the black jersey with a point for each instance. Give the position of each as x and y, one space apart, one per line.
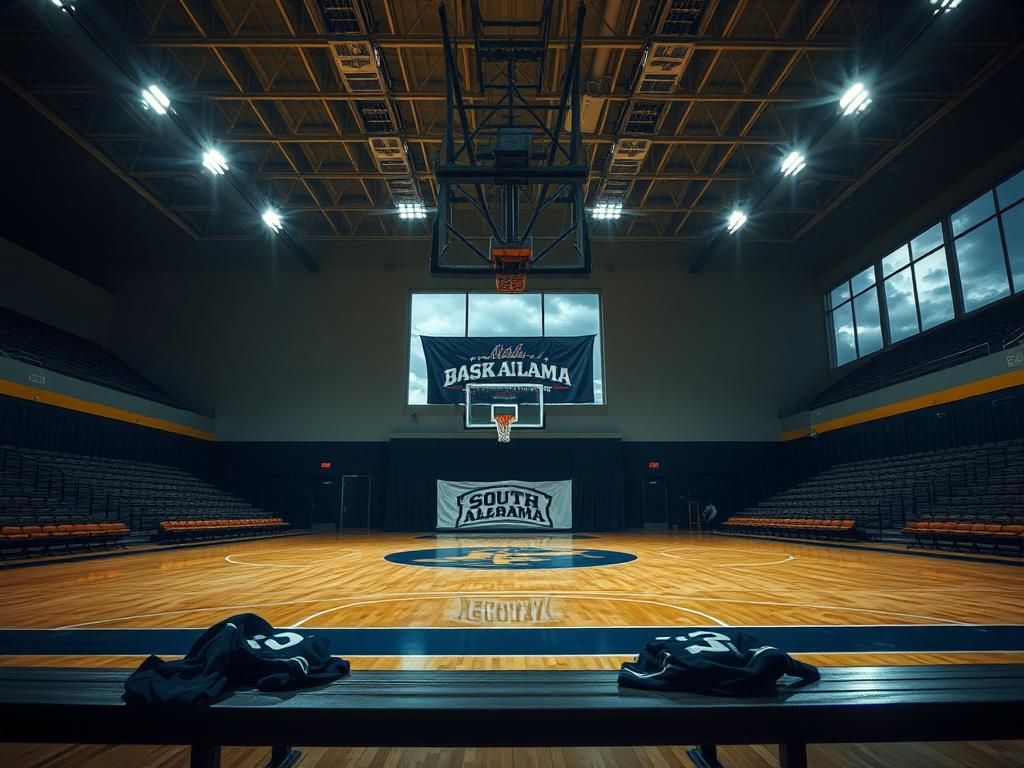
723 662
242 651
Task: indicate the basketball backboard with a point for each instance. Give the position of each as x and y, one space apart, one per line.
525 402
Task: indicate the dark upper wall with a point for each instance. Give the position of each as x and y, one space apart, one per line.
282 354
40 289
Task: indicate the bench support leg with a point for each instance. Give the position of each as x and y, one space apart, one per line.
205 756
283 757
793 755
705 756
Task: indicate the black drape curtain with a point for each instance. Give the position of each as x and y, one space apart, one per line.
595 467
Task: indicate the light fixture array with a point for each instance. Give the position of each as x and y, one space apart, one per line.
945 6
272 218
607 210
414 210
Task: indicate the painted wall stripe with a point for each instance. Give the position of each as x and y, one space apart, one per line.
59 400
941 397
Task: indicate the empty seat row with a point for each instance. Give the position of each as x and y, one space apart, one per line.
195 529
23 539
797 526
1000 537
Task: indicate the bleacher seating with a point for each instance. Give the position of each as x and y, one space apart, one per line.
810 527
43 539
36 343
934 350
217 529
980 506
49 491
976 484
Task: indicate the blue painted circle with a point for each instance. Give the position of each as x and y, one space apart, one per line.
509 558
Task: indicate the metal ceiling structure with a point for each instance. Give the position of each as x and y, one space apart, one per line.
334 110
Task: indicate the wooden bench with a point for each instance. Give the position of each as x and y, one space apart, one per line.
515 708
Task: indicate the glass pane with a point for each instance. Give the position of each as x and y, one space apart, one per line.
934 296
839 294
973 213
433 314
576 314
495 314
842 330
863 280
869 325
898 258
899 303
1011 190
982 269
926 241
1013 228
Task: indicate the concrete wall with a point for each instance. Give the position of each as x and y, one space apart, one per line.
282 354
42 290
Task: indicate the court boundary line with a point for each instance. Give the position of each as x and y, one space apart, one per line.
842 545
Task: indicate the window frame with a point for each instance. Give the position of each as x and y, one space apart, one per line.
465 331
952 270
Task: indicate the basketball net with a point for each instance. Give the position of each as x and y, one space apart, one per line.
503 421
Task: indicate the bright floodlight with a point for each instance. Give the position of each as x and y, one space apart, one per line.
214 162
605 211
155 99
63 4
856 99
412 211
945 5
736 220
272 219
793 164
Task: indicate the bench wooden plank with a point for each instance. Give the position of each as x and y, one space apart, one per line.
512 708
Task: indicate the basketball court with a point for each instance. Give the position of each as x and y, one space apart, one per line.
500 602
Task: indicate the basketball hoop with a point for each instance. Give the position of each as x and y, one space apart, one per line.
511 266
503 421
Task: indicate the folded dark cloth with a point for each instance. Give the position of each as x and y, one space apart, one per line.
722 662
242 651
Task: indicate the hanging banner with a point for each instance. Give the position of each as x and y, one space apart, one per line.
529 504
564 365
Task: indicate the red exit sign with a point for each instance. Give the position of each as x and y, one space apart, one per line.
325 465
654 465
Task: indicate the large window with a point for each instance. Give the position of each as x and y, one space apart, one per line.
491 314
853 317
983 241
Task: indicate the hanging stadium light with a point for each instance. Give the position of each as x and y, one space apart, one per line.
856 99
64 5
793 164
945 6
215 162
155 99
414 210
272 219
605 211
736 220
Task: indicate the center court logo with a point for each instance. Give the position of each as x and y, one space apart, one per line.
509 558
528 507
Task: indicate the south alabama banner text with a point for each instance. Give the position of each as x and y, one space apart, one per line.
523 504
564 365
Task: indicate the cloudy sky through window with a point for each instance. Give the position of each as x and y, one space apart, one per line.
528 314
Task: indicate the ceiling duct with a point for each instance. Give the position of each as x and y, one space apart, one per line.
361 67
681 17
347 17
390 155
627 156
661 66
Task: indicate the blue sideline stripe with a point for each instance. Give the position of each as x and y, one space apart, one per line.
528 642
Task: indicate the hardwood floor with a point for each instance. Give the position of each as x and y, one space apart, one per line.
340 584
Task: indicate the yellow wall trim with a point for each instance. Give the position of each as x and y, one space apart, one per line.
942 397
97 409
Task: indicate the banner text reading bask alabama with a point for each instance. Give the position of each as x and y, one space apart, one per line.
564 365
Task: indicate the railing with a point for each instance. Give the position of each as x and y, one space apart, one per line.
1015 338
21 356
941 363
55 483
180 401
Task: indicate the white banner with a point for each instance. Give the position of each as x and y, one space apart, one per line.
521 504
